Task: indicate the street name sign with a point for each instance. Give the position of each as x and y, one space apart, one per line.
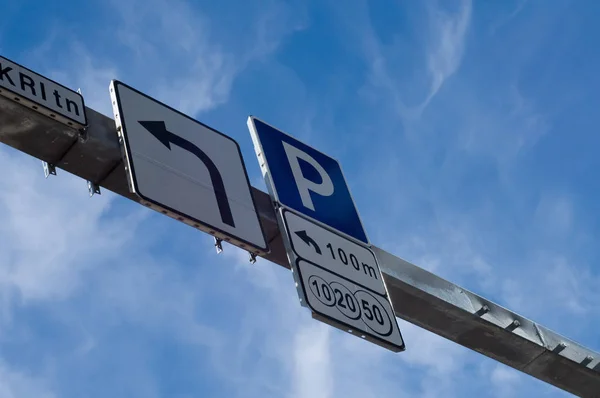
41 94
337 275
185 169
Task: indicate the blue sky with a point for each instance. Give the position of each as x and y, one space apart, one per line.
467 133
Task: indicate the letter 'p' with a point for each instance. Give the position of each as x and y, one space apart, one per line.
305 187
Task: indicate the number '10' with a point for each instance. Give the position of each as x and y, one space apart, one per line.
343 257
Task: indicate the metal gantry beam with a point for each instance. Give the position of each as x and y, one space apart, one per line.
418 296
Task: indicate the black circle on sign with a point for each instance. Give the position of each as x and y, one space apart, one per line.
321 290
345 301
370 316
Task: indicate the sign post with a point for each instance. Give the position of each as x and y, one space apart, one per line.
336 273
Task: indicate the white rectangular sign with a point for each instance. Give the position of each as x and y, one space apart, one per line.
186 169
339 280
41 94
364 313
333 252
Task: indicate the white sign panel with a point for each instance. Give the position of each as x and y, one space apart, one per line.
41 94
363 312
188 170
339 255
339 280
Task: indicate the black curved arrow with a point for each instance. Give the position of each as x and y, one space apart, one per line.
159 130
308 240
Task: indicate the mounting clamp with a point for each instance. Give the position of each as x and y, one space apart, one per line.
219 245
252 258
49 168
93 188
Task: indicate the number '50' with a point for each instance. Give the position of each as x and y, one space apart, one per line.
372 311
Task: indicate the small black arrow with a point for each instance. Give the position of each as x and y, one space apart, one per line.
308 240
159 130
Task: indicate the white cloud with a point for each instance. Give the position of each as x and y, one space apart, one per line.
74 65
270 346
312 371
167 49
500 127
88 263
554 216
505 19
91 77
563 282
450 248
502 375
172 46
321 361
182 56
14 384
431 352
443 51
448 31
505 380
52 231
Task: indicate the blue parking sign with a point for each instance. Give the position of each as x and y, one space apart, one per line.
306 180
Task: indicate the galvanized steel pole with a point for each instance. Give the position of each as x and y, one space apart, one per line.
418 296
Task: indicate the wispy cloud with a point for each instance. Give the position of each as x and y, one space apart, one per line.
169 49
450 180
142 302
15 384
43 260
175 51
180 49
448 31
435 354
505 380
565 289
505 19
90 74
501 128
445 43
305 358
88 264
312 371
